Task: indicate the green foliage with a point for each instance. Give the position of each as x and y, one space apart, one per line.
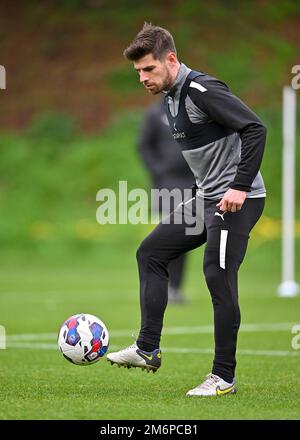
240 74
48 185
283 9
52 126
123 81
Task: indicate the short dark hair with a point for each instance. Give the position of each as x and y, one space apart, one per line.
151 39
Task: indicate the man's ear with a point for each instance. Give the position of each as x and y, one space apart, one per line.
171 58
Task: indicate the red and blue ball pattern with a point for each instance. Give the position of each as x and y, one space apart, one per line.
83 339
96 343
72 337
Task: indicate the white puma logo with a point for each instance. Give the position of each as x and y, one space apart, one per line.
220 215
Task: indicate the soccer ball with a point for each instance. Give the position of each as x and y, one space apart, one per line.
83 339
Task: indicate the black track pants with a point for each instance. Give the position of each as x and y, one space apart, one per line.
226 239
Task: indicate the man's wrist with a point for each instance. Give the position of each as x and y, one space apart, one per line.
240 187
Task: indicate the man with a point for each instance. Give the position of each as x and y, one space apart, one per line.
223 143
162 156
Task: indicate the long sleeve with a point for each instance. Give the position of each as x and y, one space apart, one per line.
216 100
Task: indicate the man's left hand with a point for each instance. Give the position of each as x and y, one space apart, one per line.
232 200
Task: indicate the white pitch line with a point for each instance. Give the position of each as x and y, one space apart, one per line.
204 329
241 351
176 350
32 337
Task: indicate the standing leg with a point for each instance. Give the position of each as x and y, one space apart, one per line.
225 250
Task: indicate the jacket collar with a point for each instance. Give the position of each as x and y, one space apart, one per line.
179 81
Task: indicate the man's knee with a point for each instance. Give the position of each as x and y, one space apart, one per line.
144 250
149 255
140 254
149 259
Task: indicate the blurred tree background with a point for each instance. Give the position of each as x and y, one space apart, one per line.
72 107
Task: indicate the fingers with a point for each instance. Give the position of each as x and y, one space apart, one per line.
234 207
221 205
232 201
224 205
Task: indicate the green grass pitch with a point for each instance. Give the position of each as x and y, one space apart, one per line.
38 383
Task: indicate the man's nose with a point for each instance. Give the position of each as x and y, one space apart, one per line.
143 77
